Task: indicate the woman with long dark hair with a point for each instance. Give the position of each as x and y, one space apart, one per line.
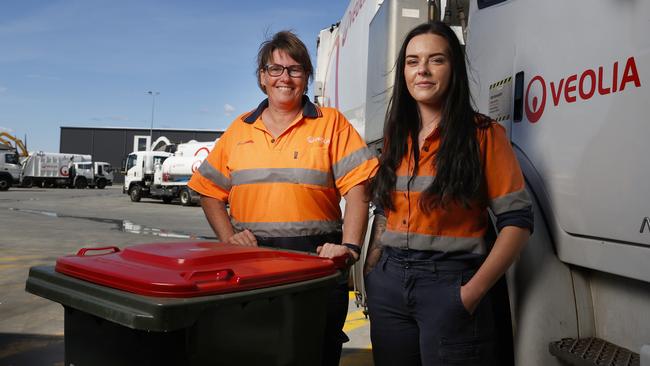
442 167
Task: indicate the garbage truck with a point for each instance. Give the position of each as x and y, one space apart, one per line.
50 170
569 82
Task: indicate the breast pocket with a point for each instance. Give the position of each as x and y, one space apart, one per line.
313 167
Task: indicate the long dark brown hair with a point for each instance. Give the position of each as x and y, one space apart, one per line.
457 163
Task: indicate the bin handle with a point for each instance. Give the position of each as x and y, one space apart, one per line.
82 252
207 280
342 261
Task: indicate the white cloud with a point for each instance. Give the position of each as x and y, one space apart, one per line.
228 109
204 111
3 89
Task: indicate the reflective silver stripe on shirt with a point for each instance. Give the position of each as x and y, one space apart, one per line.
510 202
418 184
288 229
282 175
348 163
432 242
208 171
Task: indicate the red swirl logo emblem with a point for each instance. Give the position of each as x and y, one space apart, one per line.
535 107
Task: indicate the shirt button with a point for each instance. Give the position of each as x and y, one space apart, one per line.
426 148
273 141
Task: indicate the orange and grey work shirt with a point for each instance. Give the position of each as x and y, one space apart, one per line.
456 228
289 186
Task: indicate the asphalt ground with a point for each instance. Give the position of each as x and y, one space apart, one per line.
39 225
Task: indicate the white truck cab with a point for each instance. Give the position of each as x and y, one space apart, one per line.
139 170
93 174
9 168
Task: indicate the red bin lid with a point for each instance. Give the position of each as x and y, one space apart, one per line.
190 269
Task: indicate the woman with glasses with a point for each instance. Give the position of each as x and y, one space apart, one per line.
443 165
283 168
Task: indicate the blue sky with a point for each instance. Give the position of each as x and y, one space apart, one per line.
91 62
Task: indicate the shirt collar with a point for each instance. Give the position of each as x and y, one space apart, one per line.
309 110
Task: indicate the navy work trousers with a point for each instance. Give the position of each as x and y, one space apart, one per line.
417 317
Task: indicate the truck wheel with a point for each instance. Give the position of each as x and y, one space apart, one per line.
135 193
80 183
167 199
27 182
186 198
5 183
101 184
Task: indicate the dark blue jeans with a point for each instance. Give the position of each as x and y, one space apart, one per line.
416 314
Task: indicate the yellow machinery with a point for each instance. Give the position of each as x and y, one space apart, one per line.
6 139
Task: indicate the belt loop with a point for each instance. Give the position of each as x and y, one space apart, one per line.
434 268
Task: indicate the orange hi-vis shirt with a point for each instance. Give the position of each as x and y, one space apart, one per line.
454 228
291 185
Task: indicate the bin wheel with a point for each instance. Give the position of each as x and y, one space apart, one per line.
186 197
167 199
135 193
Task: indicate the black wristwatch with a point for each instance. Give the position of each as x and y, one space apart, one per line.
355 248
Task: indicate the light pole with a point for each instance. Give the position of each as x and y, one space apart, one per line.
153 106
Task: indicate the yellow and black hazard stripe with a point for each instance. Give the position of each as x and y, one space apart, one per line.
500 82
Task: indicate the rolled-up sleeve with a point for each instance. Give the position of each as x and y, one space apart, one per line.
506 188
212 178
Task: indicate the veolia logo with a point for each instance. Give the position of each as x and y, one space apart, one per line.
535 107
579 87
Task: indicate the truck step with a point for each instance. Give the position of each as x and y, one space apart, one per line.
592 352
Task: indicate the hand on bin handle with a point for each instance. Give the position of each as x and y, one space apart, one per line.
343 261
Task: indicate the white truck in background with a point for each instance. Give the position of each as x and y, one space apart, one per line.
164 175
49 170
569 81
139 170
171 178
94 174
9 167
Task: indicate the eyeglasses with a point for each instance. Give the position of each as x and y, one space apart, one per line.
295 71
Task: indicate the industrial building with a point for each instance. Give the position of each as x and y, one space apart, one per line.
113 144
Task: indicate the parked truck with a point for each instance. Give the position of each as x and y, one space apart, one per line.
46 169
172 176
165 175
93 174
138 172
568 80
9 167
